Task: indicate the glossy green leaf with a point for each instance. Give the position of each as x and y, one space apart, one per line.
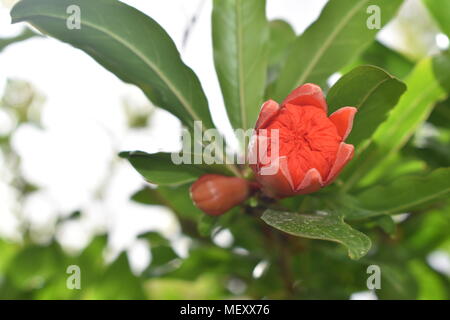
240 37
407 192
158 168
370 89
174 197
128 43
440 10
323 227
424 90
330 43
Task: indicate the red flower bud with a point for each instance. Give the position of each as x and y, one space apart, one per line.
215 194
310 145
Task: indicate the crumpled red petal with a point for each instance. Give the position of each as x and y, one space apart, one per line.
275 179
343 120
268 110
307 94
344 155
312 182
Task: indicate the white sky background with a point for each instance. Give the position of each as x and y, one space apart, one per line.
85 126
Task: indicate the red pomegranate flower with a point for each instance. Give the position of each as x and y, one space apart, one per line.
310 150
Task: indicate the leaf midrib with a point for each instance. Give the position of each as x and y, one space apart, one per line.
328 42
240 64
417 202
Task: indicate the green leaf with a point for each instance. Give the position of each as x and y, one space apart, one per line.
147 196
282 36
35 265
414 107
324 227
407 192
431 285
441 114
162 253
330 43
117 282
384 57
240 36
174 197
158 168
440 10
387 224
370 89
206 224
128 43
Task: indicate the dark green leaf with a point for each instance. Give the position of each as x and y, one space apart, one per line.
370 89
407 192
386 58
240 37
282 36
324 227
330 43
158 168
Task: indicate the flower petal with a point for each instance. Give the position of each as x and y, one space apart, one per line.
343 120
344 155
268 110
257 151
275 179
312 182
307 94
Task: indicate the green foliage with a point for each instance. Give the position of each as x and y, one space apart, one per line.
325 227
240 33
158 168
384 57
282 36
407 193
273 252
325 47
40 272
373 91
424 89
440 9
